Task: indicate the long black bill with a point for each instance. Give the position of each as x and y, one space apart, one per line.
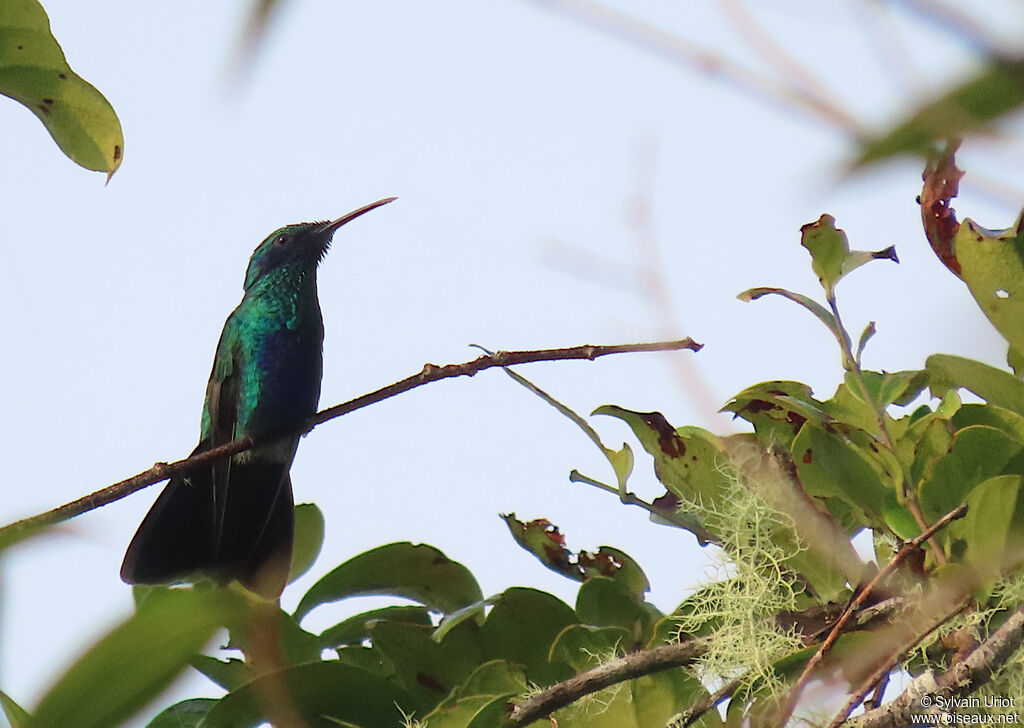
330 227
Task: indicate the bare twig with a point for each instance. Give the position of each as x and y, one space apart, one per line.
963 678
26 527
908 548
888 664
694 712
627 667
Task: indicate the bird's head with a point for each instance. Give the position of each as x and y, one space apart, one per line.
302 245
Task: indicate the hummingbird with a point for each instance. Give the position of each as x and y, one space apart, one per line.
234 519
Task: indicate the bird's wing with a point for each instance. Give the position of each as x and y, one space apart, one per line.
222 393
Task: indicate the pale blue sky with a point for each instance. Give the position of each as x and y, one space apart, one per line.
517 141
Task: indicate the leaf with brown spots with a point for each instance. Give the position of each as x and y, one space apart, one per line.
34 72
778 410
688 460
543 539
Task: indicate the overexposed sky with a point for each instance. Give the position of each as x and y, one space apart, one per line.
523 146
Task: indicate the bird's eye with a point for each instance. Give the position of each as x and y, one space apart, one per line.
282 239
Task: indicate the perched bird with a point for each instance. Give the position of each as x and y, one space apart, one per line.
234 519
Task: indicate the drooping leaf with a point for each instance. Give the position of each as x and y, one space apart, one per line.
34 72
413 571
819 311
995 91
136 660
317 691
309 539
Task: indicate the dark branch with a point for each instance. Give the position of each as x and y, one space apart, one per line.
964 677
627 667
26 527
907 549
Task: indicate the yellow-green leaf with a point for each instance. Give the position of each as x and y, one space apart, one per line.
34 72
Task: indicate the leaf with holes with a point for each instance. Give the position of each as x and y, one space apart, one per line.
992 266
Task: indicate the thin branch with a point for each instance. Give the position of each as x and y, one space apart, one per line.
26 527
908 548
692 714
964 677
889 663
627 667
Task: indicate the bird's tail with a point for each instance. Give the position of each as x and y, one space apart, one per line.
247 536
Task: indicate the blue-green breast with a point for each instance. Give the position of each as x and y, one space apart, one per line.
272 348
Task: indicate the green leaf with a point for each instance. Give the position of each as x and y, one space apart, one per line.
15 714
831 257
309 539
828 247
992 266
831 467
34 72
356 629
995 91
602 602
521 628
978 453
186 714
992 385
428 670
414 571
134 662
993 528
318 691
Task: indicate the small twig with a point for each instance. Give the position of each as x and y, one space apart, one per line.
692 714
964 677
908 548
627 667
19 530
888 664
629 498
